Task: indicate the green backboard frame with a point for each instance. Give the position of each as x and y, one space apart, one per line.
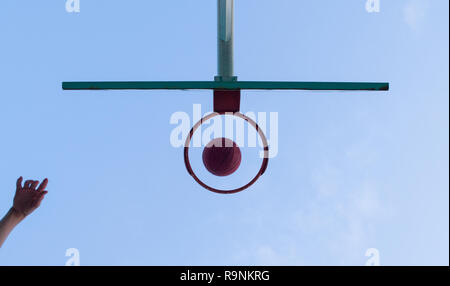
225 85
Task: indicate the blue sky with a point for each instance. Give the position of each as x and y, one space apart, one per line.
354 170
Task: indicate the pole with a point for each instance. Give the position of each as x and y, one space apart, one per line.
225 43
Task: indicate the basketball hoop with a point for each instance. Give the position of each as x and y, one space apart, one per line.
263 164
227 88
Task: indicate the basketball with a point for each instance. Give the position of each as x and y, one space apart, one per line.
221 157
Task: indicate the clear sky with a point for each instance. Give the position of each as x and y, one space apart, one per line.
354 170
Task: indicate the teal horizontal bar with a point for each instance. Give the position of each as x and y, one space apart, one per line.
225 85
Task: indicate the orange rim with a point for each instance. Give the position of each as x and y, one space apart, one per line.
264 163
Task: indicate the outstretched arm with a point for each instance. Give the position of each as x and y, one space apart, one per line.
26 200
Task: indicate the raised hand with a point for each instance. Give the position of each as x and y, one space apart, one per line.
29 197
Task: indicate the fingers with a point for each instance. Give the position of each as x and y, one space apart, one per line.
34 185
19 183
31 184
43 185
27 184
40 195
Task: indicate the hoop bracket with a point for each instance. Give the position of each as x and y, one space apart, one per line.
227 100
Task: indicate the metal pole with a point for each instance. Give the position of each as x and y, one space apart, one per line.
225 30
